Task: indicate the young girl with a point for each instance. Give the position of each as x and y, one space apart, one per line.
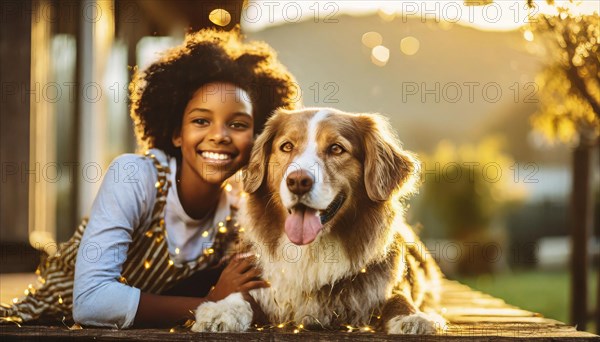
162 222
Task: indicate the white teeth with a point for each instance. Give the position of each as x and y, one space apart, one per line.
215 156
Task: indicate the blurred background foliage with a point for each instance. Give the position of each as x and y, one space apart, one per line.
570 84
464 186
462 204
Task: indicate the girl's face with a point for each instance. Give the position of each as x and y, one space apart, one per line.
216 133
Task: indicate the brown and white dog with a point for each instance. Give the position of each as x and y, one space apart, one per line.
325 216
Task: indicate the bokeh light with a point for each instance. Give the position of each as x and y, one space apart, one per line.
372 39
410 46
380 55
220 17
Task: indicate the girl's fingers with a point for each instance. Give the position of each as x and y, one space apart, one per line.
233 264
245 264
243 255
255 284
252 273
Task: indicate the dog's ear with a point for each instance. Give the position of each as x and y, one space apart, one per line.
256 170
387 168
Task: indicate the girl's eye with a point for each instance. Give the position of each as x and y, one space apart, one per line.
336 149
201 122
286 147
239 125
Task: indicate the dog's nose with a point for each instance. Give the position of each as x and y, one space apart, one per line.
299 182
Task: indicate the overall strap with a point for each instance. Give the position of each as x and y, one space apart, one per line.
149 266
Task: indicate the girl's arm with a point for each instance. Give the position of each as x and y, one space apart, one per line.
124 202
166 311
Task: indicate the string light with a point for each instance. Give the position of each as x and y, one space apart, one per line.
205 233
31 289
12 319
147 264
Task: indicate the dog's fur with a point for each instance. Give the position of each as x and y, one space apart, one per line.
365 266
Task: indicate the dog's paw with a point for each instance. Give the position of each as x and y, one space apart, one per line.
232 314
415 324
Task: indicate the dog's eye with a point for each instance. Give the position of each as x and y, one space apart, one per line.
336 149
286 147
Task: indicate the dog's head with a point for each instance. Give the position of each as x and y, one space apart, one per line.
320 164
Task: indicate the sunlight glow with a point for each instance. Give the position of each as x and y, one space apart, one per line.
500 15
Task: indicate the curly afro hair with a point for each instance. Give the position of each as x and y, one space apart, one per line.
160 93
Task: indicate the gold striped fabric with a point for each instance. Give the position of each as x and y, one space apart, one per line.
148 265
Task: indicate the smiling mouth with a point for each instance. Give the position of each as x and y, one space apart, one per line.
324 215
303 223
216 157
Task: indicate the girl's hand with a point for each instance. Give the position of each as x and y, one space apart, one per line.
239 276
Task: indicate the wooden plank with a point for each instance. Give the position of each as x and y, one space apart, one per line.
476 319
472 316
487 312
56 333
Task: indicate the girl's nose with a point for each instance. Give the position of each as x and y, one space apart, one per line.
219 135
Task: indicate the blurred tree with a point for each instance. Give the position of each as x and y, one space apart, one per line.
466 193
570 85
570 113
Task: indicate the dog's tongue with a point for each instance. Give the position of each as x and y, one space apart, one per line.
303 225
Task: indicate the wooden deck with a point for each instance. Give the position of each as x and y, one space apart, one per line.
472 316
